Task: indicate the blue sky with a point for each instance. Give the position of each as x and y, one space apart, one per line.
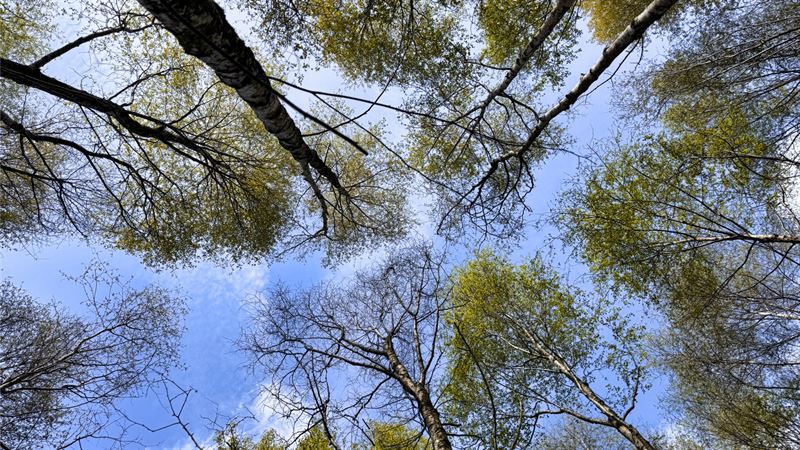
217 295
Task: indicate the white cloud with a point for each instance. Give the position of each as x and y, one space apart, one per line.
216 284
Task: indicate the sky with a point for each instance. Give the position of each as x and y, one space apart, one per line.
217 296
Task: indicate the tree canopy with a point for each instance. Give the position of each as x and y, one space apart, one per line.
186 131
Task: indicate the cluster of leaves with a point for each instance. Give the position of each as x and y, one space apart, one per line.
382 436
24 25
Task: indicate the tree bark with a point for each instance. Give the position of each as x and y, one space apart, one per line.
203 31
653 12
429 413
613 418
552 20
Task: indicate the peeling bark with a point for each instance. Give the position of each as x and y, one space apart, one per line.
203 32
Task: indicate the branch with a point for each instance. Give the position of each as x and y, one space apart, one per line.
20 129
633 32
757 238
32 77
84 39
630 432
550 22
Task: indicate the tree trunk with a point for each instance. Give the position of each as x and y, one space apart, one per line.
652 13
203 31
614 419
429 413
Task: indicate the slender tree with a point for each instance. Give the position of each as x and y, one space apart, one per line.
700 217
524 347
380 330
475 129
175 160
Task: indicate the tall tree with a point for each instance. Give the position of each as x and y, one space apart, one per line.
475 128
175 161
393 436
380 328
518 348
701 217
708 237
470 101
572 434
524 347
178 141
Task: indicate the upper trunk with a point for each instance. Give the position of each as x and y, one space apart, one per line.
429 413
614 419
203 31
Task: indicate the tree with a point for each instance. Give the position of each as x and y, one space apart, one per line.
572 434
61 374
469 101
700 217
518 348
488 154
176 161
524 347
380 328
315 439
230 438
745 60
382 436
474 138
733 405
710 239
180 142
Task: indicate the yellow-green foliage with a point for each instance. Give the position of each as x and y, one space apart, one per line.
314 439
234 199
230 438
242 222
443 152
24 27
449 153
609 17
242 216
383 39
375 211
270 440
489 288
508 25
648 196
497 307
394 436
740 416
